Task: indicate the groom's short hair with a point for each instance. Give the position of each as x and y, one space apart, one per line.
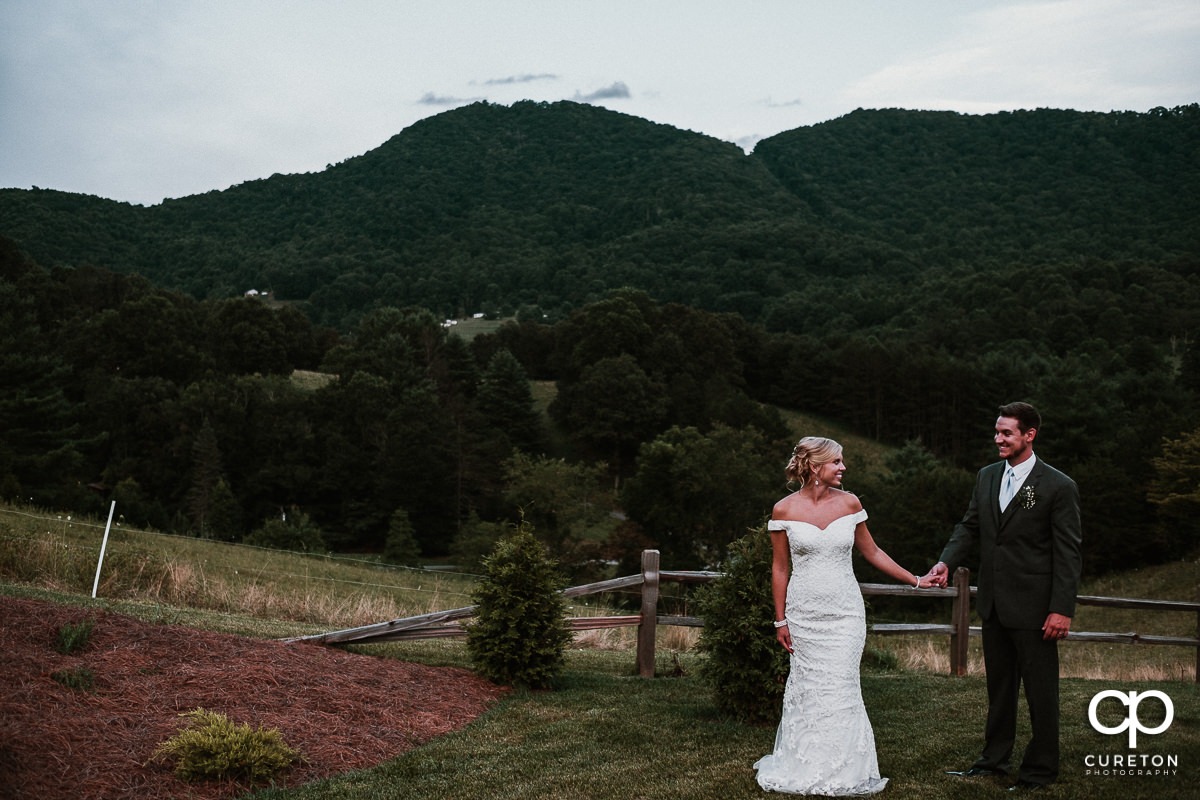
1026 415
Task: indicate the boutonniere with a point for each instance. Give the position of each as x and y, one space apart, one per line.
1028 497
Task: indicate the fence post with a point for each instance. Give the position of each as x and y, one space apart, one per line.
649 624
961 622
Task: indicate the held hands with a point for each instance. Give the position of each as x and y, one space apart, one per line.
938 576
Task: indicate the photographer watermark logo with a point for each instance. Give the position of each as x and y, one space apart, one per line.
1132 722
1129 764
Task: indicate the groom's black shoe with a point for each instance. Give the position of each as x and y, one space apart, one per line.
1026 786
978 772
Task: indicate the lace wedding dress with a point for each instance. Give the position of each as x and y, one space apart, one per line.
825 745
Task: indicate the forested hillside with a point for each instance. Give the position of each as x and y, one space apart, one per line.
898 273
551 205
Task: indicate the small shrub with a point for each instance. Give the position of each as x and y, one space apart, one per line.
73 638
81 679
746 667
520 633
214 748
880 658
401 545
298 534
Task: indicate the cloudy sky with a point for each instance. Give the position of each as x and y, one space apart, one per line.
138 100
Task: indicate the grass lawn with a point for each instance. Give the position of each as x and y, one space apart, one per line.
605 734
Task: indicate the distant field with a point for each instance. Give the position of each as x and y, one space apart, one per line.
860 451
470 328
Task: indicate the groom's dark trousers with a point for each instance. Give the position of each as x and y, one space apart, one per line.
1029 564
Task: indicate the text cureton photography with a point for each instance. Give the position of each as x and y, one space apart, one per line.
1120 715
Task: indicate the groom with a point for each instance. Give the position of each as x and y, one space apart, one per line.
1025 516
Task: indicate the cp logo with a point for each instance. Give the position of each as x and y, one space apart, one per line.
1131 722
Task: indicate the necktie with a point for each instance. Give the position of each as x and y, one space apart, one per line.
1009 488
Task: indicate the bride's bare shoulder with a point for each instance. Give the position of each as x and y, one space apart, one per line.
788 507
853 504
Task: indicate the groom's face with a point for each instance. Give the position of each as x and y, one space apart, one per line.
1014 446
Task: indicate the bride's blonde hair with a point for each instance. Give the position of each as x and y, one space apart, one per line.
811 452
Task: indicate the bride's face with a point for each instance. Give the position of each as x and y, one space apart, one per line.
830 473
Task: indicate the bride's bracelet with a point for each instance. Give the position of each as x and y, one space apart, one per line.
779 623
918 582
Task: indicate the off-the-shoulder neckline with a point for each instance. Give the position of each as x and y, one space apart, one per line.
827 527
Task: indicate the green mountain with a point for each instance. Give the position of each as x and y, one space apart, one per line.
551 205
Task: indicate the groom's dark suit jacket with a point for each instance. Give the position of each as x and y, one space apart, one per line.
1029 556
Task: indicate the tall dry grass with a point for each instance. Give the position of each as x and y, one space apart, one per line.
60 553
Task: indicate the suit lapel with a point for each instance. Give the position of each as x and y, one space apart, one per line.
993 490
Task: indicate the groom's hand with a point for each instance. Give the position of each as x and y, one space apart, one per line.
1057 626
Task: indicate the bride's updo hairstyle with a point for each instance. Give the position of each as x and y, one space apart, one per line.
811 453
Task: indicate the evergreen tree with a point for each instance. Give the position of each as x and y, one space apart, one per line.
40 440
224 515
746 667
401 545
506 402
519 634
206 475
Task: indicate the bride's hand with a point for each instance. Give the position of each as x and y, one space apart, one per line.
785 637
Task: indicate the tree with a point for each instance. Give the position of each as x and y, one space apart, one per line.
696 492
519 633
401 546
41 441
1175 491
506 403
224 515
294 531
612 408
914 503
206 475
566 506
248 337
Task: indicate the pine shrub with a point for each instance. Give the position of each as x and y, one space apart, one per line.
519 635
73 638
81 679
212 747
745 665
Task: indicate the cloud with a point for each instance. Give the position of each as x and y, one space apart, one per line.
769 103
617 91
431 99
544 76
1082 54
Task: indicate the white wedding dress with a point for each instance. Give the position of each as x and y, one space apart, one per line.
825 745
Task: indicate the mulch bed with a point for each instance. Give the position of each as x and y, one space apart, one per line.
340 710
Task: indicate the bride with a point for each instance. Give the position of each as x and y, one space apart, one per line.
824 745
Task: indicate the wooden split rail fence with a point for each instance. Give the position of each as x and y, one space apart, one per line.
442 624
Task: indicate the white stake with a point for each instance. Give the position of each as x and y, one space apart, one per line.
103 547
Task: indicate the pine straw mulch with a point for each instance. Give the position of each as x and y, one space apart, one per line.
341 711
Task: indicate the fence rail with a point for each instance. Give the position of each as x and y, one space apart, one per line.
443 624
